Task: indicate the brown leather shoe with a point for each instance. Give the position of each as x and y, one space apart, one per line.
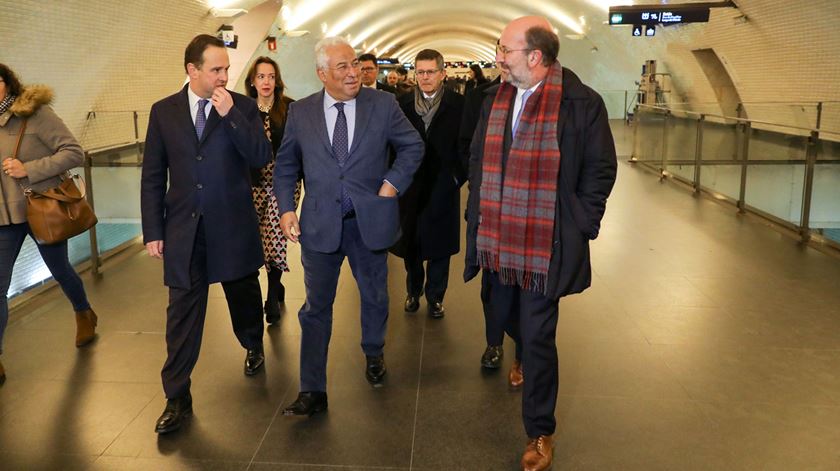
85 327
515 377
538 454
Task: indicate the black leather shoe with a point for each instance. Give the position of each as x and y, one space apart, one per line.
492 358
2 374
254 360
436 310
176 412
412 304
307 403
375 370
272 312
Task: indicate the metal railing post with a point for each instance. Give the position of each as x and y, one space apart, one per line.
137 135
698 152
637 119
745 156
94 243
808 186
625 106
819 115
664 145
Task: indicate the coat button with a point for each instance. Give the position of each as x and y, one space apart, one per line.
199 157
199 186
193 215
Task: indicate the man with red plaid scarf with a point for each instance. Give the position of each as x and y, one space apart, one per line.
542 164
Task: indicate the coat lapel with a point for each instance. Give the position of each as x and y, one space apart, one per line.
363 113
184 117
319 122
212 121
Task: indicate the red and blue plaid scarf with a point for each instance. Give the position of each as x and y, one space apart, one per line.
516 227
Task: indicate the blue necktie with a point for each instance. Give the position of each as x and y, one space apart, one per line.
341 151
525 97
200 118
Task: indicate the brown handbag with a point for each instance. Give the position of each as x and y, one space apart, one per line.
59 213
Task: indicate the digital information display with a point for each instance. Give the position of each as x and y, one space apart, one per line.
653 15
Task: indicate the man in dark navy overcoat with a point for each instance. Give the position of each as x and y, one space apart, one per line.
202 141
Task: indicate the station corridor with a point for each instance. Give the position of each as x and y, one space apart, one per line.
708 341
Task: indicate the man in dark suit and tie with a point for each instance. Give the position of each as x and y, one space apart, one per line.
370 70
340 138
202 141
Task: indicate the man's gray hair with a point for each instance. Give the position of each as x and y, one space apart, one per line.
322 62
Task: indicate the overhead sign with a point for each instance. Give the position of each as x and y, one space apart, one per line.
658 14
637 30
650 31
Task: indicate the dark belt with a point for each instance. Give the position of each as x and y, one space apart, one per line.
350 214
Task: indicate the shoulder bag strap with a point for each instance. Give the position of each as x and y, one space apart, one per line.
26 191
20 138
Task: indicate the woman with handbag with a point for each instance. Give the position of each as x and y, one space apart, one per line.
266 86
36 150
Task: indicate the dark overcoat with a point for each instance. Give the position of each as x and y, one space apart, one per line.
185 180
430 211
585 180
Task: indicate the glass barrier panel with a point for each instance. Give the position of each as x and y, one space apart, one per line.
825 201
116 196
777 189
648 142
106 128
614 101
681 145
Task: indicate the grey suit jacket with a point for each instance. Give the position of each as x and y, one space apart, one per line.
306 149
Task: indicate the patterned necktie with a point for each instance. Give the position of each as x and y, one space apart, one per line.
200 118
341 151
525 97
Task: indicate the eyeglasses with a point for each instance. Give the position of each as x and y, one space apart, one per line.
503 51
368 69
344 67
426 73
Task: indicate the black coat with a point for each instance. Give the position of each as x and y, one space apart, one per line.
277 130
430 208
386 88
185 180
586 177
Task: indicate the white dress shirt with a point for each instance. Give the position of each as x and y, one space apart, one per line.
517 104
331 114
194 104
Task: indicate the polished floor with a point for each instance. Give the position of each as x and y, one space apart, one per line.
707 342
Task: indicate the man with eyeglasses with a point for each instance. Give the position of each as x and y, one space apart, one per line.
542 165
430 209
370 70
340 139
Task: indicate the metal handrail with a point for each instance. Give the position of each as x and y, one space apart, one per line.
734 118
743 125
90 156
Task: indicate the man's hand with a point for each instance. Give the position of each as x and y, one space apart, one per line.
289 226
222 101
155 248
387 190
14 168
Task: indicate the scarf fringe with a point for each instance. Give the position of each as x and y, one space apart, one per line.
528 280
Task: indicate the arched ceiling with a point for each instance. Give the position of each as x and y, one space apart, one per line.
460 30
